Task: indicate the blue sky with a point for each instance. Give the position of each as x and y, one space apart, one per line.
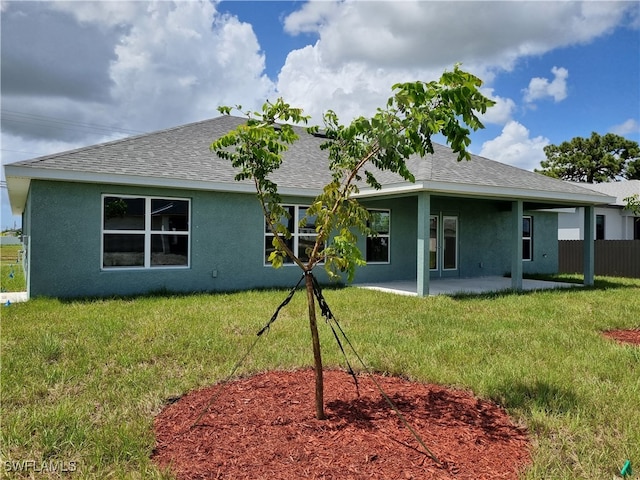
80 73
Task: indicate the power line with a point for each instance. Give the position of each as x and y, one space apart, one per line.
61 123
21 151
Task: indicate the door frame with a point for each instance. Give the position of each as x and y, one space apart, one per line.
437 245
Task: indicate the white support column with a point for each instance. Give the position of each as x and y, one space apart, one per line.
424 212
589 245
516 245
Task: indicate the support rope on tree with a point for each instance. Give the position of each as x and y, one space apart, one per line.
239 363
330 318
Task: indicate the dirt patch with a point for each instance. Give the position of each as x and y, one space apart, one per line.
631 336
264 427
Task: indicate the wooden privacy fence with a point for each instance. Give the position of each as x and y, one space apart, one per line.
617 258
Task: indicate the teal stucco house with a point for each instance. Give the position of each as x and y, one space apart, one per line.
161 212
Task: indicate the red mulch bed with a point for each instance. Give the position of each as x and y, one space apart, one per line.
264 427
624 336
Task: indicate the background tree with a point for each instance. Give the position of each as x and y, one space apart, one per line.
633 170
593 160
633 204
403 128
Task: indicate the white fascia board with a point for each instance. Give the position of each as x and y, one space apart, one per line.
18 189
117 179
19 179
488 191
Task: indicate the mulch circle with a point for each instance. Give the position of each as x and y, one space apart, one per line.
631 336
264 427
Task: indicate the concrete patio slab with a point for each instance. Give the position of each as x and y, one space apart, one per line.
451 286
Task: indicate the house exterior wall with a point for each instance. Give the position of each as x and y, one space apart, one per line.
618 224
570 225
486 242
402 242
227 242
483 239
545 244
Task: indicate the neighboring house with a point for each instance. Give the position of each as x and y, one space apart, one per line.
610 222
161 212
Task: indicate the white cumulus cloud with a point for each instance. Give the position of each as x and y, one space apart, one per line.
181 61
540 88
363 47
628 127
515 147
501 112
138 65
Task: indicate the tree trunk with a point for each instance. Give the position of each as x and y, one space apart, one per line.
317 357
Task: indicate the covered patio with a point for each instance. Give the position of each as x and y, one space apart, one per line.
452 286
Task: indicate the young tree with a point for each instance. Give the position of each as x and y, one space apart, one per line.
404 127
593 160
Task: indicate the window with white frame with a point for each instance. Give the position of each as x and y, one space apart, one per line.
378 244
303 237
145 232
527 238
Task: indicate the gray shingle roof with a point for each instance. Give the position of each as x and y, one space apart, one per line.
182 154
620 190
179 153
443 166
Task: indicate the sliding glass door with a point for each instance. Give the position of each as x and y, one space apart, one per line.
443 243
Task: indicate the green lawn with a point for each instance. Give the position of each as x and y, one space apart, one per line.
82 380
11 273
